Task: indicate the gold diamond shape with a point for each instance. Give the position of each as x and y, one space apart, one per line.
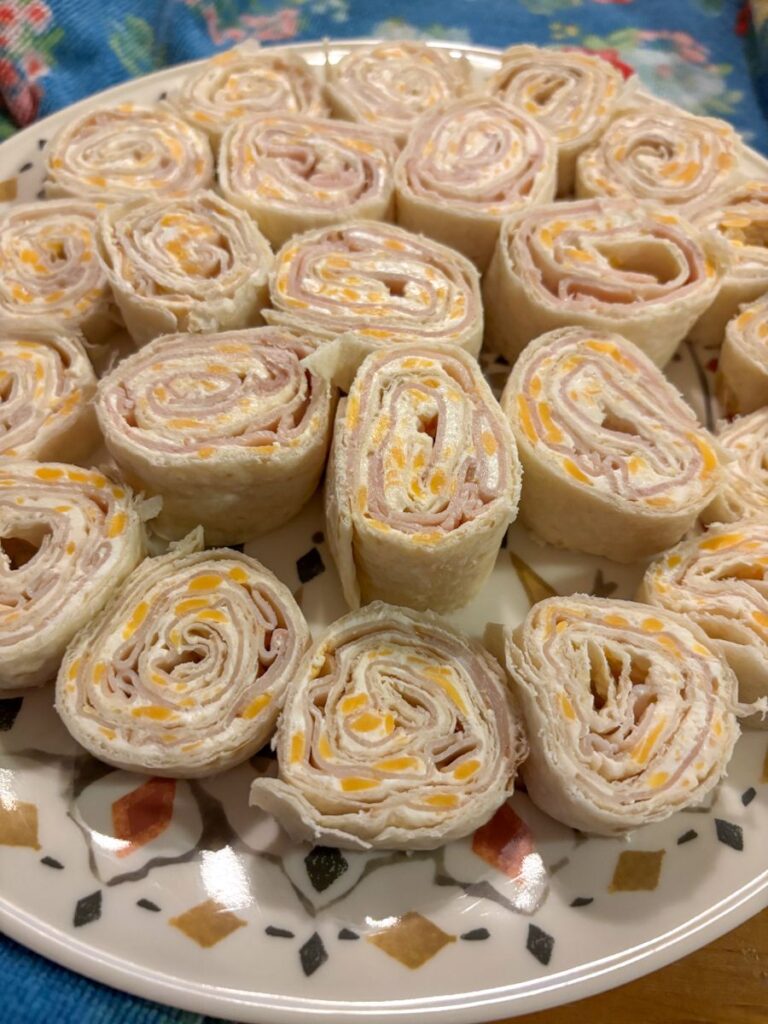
18 825
412 940
207 923
637 870
536 588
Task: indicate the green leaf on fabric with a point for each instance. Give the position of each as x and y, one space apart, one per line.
46 43
7 127
133 43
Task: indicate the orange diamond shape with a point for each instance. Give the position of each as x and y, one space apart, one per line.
504 842
141 815
18 824
207 923
412 939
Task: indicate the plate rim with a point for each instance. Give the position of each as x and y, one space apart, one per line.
476 1007
489 1004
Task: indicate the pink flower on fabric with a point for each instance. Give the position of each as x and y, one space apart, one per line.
612 1
34 66
218 35
23 104
37 15
283 24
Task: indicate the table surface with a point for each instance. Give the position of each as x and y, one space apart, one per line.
723 983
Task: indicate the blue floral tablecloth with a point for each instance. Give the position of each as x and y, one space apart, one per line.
710 56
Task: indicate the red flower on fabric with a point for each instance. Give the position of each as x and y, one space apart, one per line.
743 19
9 16
8 74
38 15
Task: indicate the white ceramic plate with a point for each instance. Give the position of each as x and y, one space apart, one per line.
180 893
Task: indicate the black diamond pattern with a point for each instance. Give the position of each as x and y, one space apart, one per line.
318 537
51 862
87 909
309 565
540 944
41 143
476 935
9 708
748 796
25 167
278 933
312 954
148 905
582 901
324 865
730 834
347 933
686 837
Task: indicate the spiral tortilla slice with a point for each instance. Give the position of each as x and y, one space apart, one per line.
293 172
603 264
738 217
662 154
743 364
49 267
614 461
68 538
718 581
192 264
379 283
744 490
184 671
244 81
631 713
230 429
573 95
466 166
46 389
423 480
389 85
397 733
127 152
